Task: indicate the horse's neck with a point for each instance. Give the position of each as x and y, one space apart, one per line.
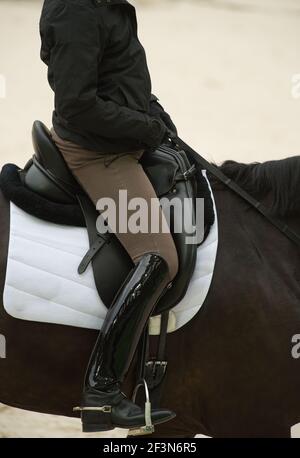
242 224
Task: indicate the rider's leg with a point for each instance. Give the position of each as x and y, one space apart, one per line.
156 265
104 175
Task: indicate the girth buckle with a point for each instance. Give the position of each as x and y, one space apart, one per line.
155 371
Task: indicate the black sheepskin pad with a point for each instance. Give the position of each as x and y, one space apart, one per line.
15 191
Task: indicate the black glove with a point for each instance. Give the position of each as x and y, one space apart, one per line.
170 137
157 133
157 111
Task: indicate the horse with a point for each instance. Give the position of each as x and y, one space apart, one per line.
231 372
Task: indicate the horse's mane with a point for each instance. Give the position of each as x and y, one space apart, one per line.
280 179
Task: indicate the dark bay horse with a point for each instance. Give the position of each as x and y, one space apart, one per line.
231 371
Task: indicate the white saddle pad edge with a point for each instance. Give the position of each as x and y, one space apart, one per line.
42 283
200 282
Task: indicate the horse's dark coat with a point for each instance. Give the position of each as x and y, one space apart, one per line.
231 373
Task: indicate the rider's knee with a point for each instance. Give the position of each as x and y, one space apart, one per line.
169 256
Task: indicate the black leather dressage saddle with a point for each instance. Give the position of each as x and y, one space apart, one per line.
170 173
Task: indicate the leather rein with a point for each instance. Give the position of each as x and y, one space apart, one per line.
262 209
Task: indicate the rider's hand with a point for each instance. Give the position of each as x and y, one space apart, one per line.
157 111
157 133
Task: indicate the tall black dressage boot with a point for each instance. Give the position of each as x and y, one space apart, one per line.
104 406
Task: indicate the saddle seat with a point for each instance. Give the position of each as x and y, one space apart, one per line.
169 171
48 174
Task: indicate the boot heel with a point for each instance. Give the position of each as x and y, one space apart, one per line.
96 419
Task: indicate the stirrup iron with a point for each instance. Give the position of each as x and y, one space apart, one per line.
149 427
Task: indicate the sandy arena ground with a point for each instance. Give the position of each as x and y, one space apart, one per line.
222 68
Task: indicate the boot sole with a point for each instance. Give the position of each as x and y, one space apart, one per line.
90 428
96 428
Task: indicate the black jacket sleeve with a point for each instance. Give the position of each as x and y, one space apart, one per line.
77 47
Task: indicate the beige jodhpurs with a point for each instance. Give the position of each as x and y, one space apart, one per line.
104 175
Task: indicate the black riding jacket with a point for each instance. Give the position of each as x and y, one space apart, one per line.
98 71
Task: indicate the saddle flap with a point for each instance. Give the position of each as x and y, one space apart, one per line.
168 170
161 171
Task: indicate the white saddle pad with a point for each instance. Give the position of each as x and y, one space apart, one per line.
42 283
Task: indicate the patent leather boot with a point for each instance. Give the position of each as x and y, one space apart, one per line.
104 406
